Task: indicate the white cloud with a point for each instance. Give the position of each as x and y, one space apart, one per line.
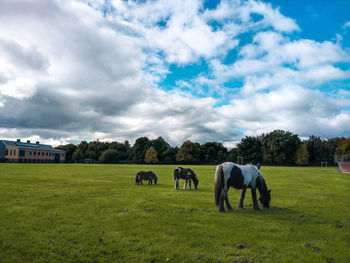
293 108
91 69
347 24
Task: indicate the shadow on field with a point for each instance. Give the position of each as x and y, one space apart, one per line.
291 215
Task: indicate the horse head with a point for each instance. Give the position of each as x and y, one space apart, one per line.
265 198
155 178
195 180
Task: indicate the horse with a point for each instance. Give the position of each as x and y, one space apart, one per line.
143 175
188 175
242 177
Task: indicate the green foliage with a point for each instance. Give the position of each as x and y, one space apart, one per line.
213 153
250 148
279 147
70 149
189 153
302 155
344 147
139 149
151 155
95 213
162 148
110 156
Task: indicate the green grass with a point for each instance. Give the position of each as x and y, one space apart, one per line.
95 213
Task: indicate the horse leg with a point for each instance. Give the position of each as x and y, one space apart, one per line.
240 201
190 184
177 184
185 184
255 201
141 181
228 205
221 202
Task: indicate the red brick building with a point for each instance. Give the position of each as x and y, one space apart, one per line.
27 152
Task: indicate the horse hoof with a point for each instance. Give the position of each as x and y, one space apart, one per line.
219 209
241 207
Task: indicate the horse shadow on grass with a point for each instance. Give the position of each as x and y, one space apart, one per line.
285 214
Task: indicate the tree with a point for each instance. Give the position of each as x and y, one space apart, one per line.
232 155
343 149
139 149
344 146
161 146
189 153
279 147
151 155
320 150
302 155
78 156
250 149
70 149
109 156
213 152
170 155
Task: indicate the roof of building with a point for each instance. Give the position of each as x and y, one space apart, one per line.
27 145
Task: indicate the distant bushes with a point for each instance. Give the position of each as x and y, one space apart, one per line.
275 148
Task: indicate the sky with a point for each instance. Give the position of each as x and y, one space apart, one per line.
114 70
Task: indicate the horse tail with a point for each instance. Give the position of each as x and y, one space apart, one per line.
219 183
176 173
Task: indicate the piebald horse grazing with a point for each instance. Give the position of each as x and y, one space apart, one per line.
187 174
240 177
146 176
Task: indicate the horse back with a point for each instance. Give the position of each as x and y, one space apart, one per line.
236 178
240 176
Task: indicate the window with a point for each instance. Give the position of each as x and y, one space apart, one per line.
30 152
42 154
34 153
14 152
47 154
6 152
22 153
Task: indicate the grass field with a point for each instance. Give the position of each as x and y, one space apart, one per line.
95 213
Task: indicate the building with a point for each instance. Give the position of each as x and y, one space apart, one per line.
27 152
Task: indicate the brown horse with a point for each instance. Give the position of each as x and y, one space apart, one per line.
187 174
143 175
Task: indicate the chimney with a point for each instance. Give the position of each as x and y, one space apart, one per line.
18 140
37 142
28 141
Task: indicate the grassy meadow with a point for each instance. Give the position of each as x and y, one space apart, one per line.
95 213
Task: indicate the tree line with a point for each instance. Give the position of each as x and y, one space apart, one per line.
275 148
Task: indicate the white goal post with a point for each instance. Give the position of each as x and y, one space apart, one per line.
324 164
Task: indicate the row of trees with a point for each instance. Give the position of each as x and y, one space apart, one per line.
275 148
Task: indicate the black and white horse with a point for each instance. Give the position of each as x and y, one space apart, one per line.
143 175
240 177
187 174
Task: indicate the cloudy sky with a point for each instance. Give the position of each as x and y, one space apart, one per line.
197 70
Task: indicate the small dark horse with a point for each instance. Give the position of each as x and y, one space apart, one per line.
187 174
240 177
143 175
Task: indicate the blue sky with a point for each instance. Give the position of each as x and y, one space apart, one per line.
184 70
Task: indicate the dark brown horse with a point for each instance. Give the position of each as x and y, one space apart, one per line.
187 174
143 175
